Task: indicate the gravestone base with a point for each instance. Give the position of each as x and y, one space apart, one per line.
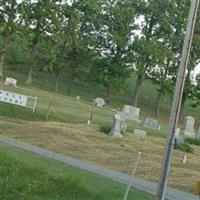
187 134
116 126
115 134
140 133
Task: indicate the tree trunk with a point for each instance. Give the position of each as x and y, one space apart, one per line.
158 102
70 84
137 90
29 78
57 81
60 66
32 61
108 93
2 55
161 91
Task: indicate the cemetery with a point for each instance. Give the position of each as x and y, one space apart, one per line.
99 100
72 136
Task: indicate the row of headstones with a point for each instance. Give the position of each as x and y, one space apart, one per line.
130 113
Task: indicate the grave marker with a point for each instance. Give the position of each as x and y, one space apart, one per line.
188 127
140 133
116 127
130 113
99 102
151 123
10 82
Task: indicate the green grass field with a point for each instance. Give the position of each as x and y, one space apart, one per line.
29 177
87 92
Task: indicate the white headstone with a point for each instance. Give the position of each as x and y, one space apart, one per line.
184 159
99 102
188 127
130 113
178 138
116 127
10 82
78 99
123 127
198 134
151 123
140 133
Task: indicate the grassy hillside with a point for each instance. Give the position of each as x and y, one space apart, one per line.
88 91
67 131
30 177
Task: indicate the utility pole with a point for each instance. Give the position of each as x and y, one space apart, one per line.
175 109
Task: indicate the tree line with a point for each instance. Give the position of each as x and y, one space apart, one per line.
101 40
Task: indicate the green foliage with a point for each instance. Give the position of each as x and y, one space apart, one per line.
186 148
193 141
105 128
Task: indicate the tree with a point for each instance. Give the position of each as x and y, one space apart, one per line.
147 49
8 18
37 18
109 36
190 87
171 33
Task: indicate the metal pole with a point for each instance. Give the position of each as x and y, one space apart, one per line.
175 110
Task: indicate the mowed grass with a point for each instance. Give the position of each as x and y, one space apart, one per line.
87 143
29 177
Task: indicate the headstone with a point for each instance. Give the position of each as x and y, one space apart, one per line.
127 146
123 127
198 134
10 82
78 99
89 122
151 123
184 159
99 102
140 133
116 127
130 113
178 138
188 127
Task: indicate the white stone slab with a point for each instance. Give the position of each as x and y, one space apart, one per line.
10 82
99 102
140 133
130 113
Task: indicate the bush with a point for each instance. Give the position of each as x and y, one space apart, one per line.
193 141
186 148
106 128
